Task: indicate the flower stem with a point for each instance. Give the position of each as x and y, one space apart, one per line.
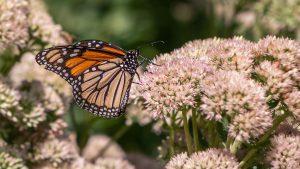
72 117
235 146
212 136
172 136
251 153
195 130
187 132
228 142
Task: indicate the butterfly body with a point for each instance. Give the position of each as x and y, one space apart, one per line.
100 74
130 64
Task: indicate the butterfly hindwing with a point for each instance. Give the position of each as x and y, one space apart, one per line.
103 89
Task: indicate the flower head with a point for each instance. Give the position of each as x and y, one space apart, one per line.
38 100
211 159
226 54
43 26
292 100
99 143
277 61
284 152
137 113
54 151
9 102
233 94
29 70
172 85
177 161
8 161
13 23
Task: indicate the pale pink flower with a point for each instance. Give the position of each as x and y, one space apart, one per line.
177 161
284 152
226 54
233 94
292 100
278 68
251 124
212 159
172 85
277 81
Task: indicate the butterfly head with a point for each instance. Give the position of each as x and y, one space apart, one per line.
134 52
131 61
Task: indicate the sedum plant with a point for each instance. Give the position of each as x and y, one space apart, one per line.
222 103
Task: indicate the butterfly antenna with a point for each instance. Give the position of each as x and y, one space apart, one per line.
156 42
137 83
148 61
152 44
138 75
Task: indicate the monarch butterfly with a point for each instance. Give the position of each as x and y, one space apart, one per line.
100 73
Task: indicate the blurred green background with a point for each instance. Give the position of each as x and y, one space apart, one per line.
131 23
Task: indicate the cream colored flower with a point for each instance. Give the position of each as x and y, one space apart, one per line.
13 23
54 151
7 161
28 69
9 102
102 146
43 26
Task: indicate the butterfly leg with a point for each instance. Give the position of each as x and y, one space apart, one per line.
137 83
138 75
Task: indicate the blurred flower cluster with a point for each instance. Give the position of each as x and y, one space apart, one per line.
256 18
33 101
232 94
211 158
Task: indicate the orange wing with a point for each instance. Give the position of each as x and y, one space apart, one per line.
72 60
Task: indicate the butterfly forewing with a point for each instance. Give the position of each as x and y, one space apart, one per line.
95 69
100 45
